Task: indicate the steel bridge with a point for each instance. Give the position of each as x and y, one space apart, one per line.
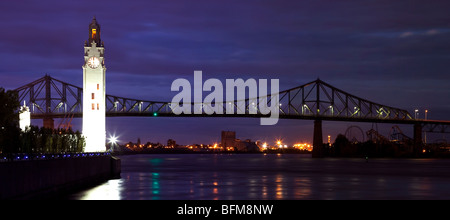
50 98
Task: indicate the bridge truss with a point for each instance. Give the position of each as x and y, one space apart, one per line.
52 98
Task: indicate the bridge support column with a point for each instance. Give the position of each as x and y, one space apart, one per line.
317 139
49 123
418 144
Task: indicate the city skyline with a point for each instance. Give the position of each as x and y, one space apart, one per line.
393 53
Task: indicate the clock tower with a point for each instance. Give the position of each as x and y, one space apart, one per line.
94 105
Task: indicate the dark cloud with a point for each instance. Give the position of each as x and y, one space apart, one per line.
394 52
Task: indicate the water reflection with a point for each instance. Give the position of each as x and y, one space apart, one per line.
279 186
107 191
155 186
264 187
231 177
302 188
215 187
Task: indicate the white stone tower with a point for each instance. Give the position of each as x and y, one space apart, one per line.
24 117
94 109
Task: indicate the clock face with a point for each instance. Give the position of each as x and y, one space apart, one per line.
93 62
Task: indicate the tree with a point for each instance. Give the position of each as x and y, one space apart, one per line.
9 103
171 143
340 145
9 121
80 142
33 139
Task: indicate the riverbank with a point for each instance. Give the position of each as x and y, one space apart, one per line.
440 155
46 178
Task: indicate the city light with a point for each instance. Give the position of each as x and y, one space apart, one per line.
264 146
279 143
303 146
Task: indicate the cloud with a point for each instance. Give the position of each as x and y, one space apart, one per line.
406 34
149 44
429 32
432 32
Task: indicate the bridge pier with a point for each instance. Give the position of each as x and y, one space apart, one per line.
49 123
418 144
317 139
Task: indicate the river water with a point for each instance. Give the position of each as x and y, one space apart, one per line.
272 177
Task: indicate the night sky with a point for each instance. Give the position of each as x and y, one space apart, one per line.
392 52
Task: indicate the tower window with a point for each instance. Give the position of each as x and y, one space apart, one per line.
94 33
98 86
98 106
93 95
93 106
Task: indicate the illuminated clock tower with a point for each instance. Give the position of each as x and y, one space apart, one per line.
94 123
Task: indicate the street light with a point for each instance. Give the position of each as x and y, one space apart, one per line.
416 113
426 113
113 141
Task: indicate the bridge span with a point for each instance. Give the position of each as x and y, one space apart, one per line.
51 98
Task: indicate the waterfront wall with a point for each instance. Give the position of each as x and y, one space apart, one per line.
46 178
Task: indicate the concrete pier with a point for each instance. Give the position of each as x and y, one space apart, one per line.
418 142
317 139
51 177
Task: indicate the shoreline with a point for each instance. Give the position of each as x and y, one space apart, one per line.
165 151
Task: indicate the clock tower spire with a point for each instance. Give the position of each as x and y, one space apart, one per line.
94 105
94 33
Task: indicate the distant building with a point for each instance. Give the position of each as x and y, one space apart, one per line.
228 139
251 146
239 145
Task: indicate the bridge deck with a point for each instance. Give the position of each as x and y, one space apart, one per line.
316 100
